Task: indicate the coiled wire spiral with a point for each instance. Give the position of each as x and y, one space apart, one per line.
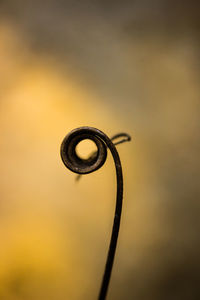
84 166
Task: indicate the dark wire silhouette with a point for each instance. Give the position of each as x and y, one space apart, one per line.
85 166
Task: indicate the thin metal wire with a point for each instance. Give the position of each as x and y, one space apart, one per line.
84 166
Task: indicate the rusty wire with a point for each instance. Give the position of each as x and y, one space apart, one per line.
84 166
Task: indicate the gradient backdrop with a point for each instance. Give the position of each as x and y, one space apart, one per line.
120 66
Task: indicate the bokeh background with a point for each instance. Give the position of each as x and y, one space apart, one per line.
120 66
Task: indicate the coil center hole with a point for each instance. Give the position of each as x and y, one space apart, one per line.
86 148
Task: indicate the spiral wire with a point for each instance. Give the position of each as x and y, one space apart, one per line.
95 161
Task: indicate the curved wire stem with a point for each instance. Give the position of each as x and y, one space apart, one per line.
117 216
94 162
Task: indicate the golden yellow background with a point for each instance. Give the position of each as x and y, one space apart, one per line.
130 66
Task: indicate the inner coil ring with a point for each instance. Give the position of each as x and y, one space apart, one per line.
79 165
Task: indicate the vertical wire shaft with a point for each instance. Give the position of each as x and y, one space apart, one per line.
116 224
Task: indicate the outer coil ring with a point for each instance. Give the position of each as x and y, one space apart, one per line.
70 157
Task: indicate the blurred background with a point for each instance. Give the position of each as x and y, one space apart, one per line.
120 66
